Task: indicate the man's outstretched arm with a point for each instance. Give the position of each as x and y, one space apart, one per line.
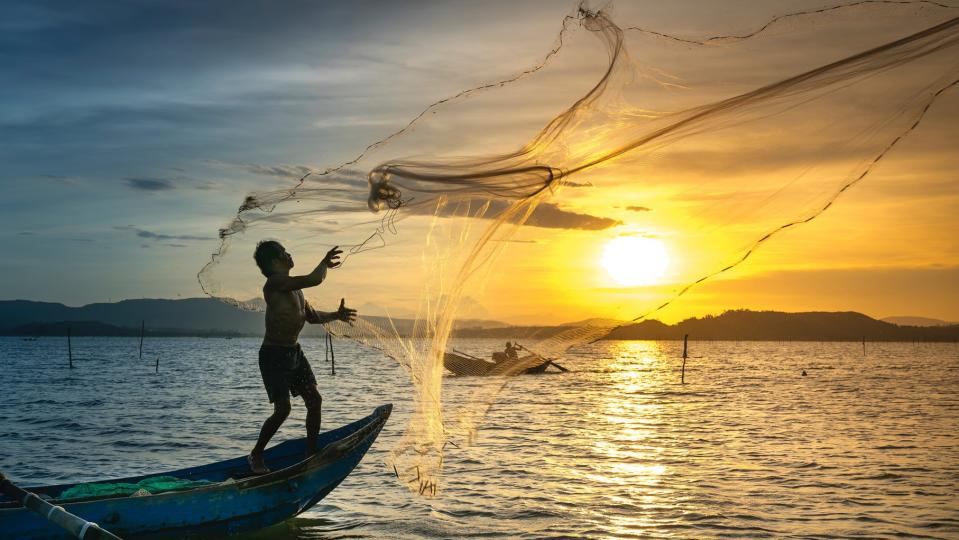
344 314
314 278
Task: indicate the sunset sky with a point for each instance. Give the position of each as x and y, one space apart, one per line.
131 133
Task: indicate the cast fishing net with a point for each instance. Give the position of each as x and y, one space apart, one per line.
714 142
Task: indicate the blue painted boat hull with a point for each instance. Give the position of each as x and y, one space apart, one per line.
237 502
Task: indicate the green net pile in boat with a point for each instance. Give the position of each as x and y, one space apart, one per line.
152 485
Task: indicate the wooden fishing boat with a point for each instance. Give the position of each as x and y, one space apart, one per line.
462 364
234 502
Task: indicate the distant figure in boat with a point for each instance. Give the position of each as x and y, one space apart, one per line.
804 373
284 368
510 353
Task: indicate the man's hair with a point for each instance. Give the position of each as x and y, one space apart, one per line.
266 252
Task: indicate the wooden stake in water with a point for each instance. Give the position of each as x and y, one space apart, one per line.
329 337
69 347
864 345
143 325
682 379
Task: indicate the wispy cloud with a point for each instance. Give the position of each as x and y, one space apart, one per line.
149 184
546 215
343 178
282 171
150 235
638 209
551 216
208 185
515 241
61 179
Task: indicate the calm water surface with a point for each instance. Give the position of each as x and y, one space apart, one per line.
865 445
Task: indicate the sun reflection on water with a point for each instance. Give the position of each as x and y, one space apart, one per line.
628 459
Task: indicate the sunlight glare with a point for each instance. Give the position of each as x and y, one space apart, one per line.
635 260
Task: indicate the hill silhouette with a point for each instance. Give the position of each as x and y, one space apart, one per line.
778 326
207 317
917 321
203 315
190 316
749 325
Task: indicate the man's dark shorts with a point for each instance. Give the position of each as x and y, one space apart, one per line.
284 369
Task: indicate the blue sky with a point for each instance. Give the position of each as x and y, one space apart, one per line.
133 130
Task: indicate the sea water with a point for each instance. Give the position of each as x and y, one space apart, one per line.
866 444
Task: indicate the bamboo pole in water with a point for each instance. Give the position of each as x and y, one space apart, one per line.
143 325
329 336
682 379
69 347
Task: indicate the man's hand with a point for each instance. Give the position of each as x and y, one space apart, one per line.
332 259
344 313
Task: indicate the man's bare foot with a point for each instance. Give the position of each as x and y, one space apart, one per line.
257 466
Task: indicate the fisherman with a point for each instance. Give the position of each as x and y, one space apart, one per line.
511 351
284 368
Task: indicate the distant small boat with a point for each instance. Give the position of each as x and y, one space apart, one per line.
464 364
235 502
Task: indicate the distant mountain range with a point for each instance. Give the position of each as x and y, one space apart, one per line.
748 325
203 315
208 317
187 317
917 321
777 326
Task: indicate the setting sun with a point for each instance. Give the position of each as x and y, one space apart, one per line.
635 260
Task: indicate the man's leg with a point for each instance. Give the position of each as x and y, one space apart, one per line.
314 405
281 409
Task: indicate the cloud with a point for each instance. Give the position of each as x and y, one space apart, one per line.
283 171
26 233
150 235
82 240
208 185
638 209
149 184
66 180
551 216
546 215
350 178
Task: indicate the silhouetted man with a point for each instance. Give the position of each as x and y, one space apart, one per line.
284 368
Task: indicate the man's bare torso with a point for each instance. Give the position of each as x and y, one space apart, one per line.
285 316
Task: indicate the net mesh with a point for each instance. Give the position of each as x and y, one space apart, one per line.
713 144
